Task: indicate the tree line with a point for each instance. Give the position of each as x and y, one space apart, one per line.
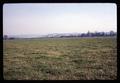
88 34
94 34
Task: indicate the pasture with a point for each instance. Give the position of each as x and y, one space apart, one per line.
60 59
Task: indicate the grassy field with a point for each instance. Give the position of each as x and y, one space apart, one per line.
60 59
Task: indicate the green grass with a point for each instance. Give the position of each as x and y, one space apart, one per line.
60 59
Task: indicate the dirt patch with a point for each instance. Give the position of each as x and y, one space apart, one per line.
53 53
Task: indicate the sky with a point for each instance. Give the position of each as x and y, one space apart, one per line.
47 18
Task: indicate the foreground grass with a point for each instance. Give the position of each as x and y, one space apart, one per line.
60 59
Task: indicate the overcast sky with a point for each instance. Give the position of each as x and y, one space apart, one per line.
45 18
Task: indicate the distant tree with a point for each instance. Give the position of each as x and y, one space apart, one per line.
92 34
115 33
5 37
102 34
112 33
83 35
88 34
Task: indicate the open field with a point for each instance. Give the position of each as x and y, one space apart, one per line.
60 59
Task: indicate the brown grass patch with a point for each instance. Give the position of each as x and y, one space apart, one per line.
53 53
